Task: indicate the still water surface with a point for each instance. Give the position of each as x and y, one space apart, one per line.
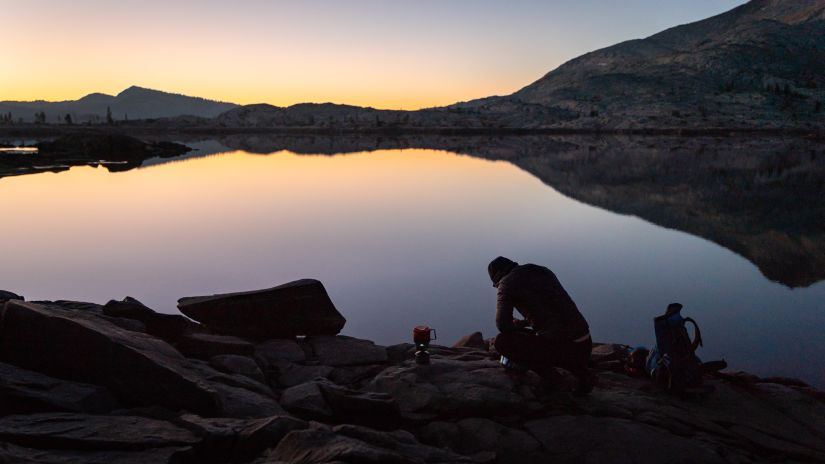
399 238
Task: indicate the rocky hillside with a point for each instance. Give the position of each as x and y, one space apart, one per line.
759 65
121 383
132 103
330 116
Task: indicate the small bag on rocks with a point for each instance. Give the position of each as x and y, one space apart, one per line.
673 363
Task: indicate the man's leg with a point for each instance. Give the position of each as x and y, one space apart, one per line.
580 359
518 346
528 349
543 354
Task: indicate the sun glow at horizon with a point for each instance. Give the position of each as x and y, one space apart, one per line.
384 54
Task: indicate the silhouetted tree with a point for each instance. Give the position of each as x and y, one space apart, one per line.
68 119
40 117
109 119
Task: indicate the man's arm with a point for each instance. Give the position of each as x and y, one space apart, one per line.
504 312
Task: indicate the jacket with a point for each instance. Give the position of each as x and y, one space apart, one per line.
538 296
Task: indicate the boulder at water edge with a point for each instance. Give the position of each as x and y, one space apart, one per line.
302 307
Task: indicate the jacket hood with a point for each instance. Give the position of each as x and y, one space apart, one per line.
500 267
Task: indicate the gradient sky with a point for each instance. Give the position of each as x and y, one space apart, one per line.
383 53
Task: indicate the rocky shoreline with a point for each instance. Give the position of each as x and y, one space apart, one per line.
115 151
82 382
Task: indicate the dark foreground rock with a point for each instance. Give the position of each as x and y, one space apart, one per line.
6 296
77 387
302 307
23 391
236 440
87 432
78 346
66 342
170 327
349 443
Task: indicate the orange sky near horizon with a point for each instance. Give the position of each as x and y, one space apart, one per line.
380 53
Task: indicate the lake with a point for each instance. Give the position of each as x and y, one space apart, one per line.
400 232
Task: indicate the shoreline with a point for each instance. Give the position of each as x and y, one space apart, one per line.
121 382
33 130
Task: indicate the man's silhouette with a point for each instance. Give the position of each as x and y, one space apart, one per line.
553 333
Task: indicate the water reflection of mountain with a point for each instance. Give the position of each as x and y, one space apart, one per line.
761 198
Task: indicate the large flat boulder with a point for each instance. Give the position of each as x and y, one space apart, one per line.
351 443
236 440
88 432
359 407
239 396
302 307
452 388
24 392
79 346
480 436
10 453
323 400
588 439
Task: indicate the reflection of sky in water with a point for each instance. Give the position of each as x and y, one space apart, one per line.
399 238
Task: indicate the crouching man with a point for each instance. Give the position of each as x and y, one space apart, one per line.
553 332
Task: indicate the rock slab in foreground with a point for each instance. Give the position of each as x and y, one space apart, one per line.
302 307
587 439
85 432
351 443
85 348
23 391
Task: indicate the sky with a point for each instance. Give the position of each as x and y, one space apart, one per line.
382 53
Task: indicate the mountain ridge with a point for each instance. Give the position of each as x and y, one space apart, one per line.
758 66
762 63
134 102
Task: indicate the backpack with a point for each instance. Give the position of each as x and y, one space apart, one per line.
673 362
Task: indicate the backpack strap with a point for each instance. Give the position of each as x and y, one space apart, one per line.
697 341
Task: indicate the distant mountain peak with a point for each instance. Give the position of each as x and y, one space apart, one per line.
137 90
134 102
95 97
